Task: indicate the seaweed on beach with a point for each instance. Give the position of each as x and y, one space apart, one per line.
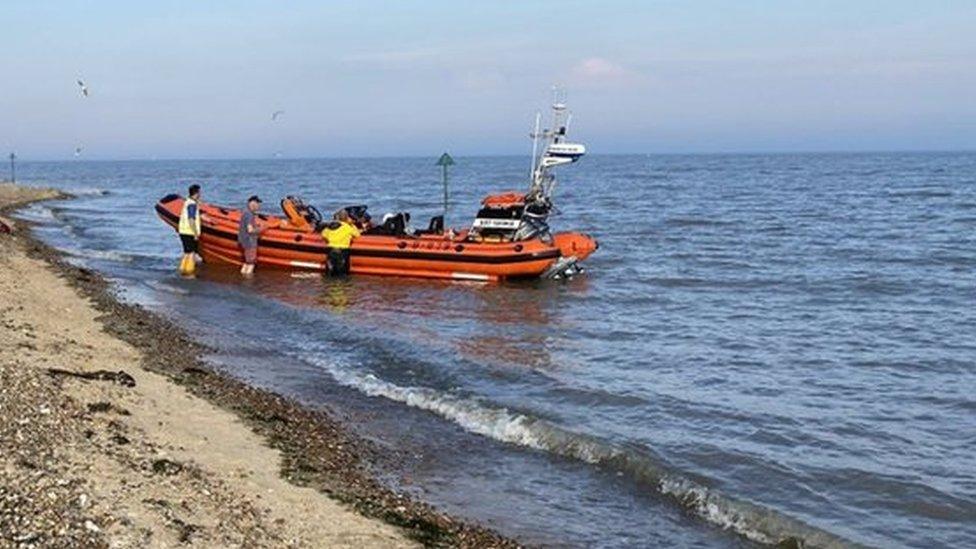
119 377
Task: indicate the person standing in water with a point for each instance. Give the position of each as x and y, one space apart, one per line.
189 230
248 232
338 235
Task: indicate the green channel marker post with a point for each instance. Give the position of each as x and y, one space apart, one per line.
444 161
13 170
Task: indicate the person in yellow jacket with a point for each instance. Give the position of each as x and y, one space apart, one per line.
338 235
189 230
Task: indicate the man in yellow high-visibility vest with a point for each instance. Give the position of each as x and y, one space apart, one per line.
189 228
338 235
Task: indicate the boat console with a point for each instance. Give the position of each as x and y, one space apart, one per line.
516 217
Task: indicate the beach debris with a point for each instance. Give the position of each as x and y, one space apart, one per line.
165 466
185 529
6 226
193 370
119 377
119 439
83 87
100 407
106 407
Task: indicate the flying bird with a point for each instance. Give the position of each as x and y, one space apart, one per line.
276 115
84 88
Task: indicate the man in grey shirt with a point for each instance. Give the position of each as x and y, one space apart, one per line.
248 232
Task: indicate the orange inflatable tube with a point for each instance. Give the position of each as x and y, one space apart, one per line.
291 243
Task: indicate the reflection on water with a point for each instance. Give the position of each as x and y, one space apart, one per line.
464 315
337 295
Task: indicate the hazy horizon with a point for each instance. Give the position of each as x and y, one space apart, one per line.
4 160
182 80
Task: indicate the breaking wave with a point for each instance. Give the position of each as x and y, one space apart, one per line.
106 255
749 520
37 213
165 287
88 191
155 261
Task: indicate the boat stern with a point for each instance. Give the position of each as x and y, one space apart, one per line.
578 245
573 248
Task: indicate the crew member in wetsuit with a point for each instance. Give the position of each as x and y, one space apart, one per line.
338 235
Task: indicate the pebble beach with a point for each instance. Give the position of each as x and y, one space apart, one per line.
114 432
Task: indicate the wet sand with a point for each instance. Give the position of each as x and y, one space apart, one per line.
113 432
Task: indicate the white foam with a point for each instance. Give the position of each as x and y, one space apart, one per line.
36 213
107 255
710 507
496 423
164 287
88 191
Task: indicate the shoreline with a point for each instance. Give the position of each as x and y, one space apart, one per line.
316 451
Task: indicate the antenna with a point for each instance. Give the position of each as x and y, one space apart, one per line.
558 97
535 145
555 150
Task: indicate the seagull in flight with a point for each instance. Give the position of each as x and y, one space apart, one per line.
276 115
84 88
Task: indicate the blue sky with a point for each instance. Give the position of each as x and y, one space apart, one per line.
201 79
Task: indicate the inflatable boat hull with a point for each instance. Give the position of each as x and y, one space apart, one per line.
428 256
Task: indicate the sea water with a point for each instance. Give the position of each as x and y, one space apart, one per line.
763 346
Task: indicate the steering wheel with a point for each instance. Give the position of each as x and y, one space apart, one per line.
315 213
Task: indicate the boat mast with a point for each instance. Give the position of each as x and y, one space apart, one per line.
555 151
535 144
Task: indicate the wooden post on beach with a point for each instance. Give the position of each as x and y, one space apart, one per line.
13 170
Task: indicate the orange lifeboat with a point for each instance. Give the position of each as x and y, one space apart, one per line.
510 238
293 243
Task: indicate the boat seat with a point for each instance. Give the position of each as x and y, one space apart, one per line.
393 225
436 226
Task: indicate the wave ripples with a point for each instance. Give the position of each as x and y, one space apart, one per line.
749 520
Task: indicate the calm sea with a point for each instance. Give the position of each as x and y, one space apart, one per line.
764 345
